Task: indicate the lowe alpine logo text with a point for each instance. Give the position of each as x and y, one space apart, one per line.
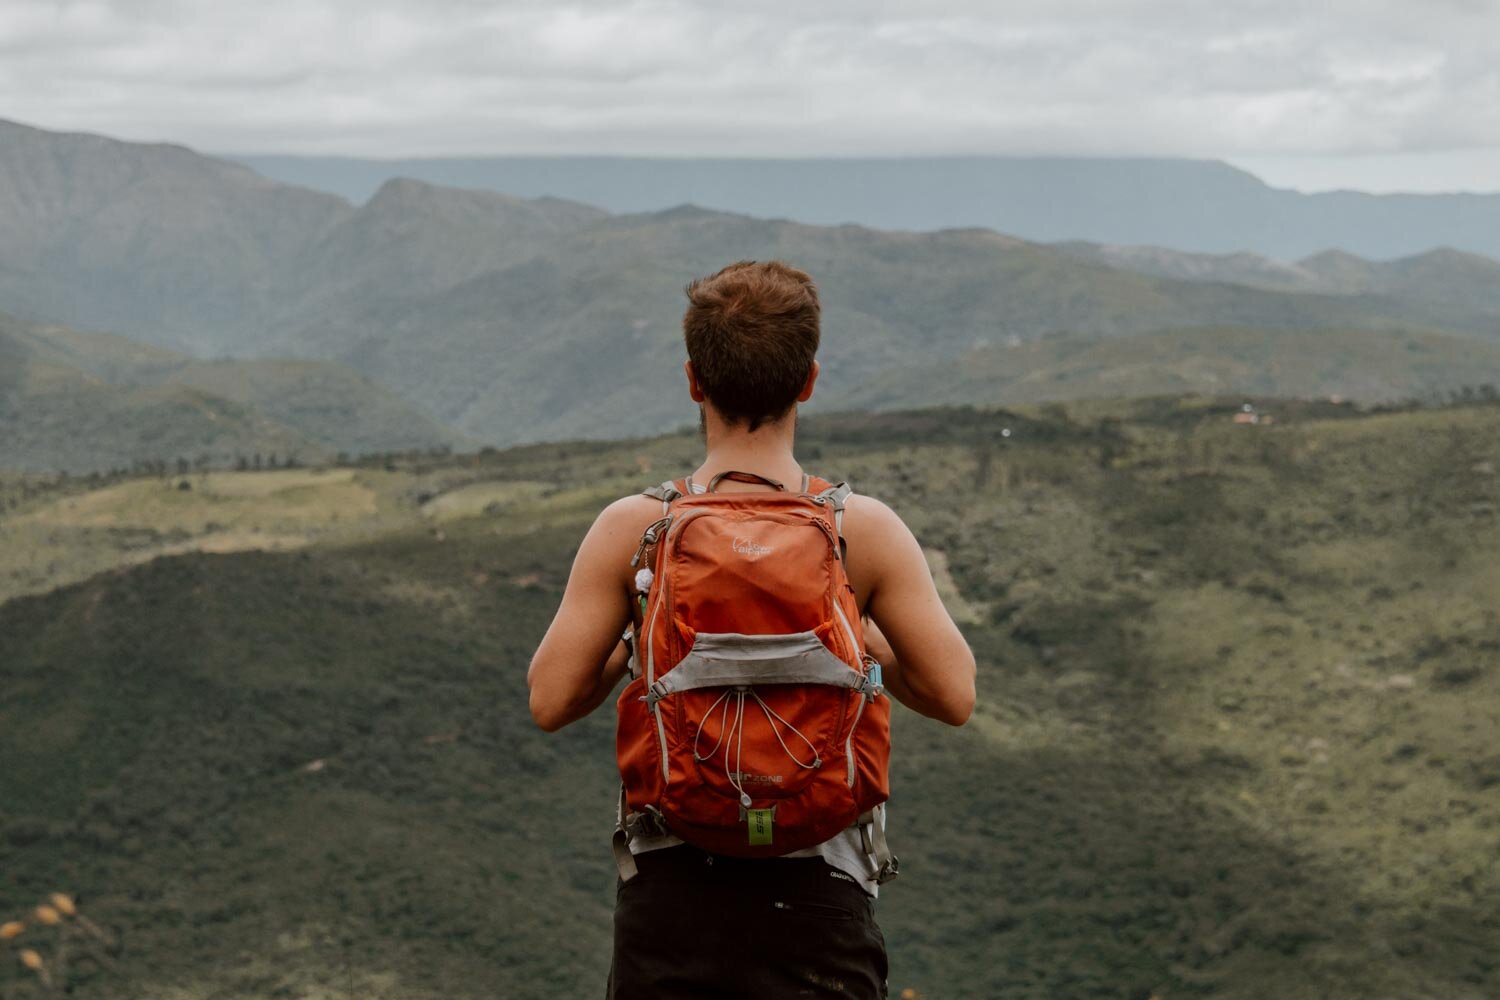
746 547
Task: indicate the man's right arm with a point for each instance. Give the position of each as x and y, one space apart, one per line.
931 668
581 658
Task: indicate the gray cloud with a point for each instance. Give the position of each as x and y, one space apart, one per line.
1259 78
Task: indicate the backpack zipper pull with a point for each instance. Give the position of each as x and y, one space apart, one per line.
648 538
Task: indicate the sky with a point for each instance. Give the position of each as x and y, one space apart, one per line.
1377 95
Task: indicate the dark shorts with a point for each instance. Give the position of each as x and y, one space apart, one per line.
700 926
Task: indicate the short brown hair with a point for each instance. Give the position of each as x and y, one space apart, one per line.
752 330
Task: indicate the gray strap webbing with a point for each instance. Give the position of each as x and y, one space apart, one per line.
624 860
620 843
642 824
872 838
837 495
719 659
666 493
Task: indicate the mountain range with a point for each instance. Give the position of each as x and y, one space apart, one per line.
503 319
1201 206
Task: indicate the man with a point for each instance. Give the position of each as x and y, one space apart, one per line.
693 924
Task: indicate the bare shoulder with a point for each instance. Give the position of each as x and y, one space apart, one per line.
614 535
623 521
868 517
628 512
881 546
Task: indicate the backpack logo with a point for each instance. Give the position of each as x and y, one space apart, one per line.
747 547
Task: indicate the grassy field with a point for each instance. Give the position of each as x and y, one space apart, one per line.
1236 732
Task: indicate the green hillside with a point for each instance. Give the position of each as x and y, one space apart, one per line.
336 408
1235 736
1366 365
1230 268
585 340
1452 288
1462 285
63 419
414 239
147 238
93 401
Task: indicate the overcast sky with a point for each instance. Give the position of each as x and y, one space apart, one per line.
1372 94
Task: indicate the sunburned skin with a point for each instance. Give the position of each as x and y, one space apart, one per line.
927 664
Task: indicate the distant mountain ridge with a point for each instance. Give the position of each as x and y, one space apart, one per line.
511 320
413 238
150 239
1460 289
207 256
1198 206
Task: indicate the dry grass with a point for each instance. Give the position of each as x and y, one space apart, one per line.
477 498
65 539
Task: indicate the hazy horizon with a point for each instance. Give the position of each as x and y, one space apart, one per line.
1375 96
1442 173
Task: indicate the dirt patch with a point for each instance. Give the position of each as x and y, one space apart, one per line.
268 483
443 601
235 541
477 498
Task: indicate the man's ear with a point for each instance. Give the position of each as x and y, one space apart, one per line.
807 388
693 388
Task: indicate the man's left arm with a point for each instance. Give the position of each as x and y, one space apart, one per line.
581 658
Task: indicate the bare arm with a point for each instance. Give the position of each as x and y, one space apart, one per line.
926 662
581 658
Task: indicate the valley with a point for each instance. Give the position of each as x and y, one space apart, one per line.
1237 705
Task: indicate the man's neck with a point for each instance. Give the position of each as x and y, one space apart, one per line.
765 451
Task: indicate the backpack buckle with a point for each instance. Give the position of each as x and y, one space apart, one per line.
645 824
872 838
870 685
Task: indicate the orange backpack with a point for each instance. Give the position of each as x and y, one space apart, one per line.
754 723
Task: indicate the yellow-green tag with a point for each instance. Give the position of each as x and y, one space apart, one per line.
760 825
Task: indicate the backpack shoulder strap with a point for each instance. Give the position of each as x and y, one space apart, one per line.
667 492
815 487
834 495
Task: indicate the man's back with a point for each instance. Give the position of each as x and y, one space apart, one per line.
689 922
924 654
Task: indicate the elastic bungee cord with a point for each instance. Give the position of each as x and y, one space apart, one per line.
737 727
